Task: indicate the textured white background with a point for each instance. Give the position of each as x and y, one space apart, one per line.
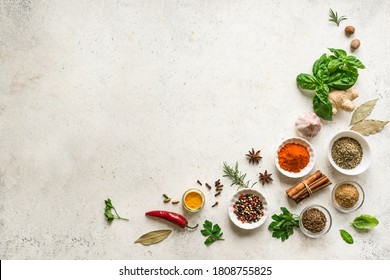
132 99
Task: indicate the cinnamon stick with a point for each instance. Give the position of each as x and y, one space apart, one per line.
295 189
313 191
315 182
322 180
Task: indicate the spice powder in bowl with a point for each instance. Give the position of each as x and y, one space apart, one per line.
347 152
193 200
315 221
295 157
347 196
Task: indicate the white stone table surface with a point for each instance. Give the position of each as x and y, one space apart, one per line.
133 99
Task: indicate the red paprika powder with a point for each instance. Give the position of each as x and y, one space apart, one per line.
293 157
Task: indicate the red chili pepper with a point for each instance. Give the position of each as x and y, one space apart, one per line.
171 217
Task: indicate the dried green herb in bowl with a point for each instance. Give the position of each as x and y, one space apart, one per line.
349 152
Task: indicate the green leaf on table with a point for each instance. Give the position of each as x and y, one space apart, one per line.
322 61
306 81
338 53
354 62
365 222
213 233
363 111
153 237
321 104
369 127
346 236
282 226
108 211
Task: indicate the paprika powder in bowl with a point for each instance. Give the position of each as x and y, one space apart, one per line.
295 157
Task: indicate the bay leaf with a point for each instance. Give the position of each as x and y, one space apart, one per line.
153 237
369 127
363 111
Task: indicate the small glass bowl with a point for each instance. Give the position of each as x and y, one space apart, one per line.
358 204
193 190
327 225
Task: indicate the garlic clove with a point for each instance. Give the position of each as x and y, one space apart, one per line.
308 125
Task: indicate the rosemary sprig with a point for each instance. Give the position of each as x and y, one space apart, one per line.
335 18
236 176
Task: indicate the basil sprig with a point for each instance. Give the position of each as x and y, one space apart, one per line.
336 71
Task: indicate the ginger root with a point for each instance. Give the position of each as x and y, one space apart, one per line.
342 99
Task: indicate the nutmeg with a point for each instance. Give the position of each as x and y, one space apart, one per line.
355 44
349 30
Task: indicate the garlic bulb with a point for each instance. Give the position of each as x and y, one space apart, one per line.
308 124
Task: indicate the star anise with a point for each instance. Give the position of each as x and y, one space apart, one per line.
254 157
265 178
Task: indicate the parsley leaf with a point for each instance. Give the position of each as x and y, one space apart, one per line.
108 211
283 224
213 233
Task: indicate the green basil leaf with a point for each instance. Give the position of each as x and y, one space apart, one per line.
338 53
346 236
365 222
321 104
323 73
334 65
353 61
306 81
343 79
323 60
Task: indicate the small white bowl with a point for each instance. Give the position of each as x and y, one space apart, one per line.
233 216
364 164
309 166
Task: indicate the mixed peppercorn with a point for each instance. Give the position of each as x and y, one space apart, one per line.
248 208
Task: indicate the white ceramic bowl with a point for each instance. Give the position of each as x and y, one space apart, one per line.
366 152
233 216
309 166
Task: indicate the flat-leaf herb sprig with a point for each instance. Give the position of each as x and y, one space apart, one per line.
236 176
283 225
212 232
333 16
335 71
108 211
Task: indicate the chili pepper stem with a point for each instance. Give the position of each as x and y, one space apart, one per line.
194 227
